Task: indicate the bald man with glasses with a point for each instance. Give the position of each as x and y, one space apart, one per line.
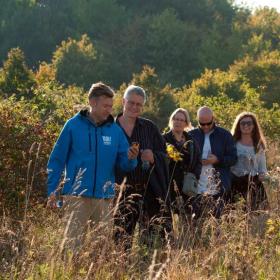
218 155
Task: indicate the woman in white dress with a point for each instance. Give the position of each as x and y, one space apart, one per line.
250 170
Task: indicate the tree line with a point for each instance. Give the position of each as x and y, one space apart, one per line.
111 39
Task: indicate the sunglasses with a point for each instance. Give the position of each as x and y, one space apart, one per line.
248 123
205 124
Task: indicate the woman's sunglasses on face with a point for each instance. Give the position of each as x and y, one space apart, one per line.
246 123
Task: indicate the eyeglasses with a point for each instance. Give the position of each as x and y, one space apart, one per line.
179 120
136 104
206 124
248 123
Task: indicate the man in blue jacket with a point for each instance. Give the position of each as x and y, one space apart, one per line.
89 148
218 155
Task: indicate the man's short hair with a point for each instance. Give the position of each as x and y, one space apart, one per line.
100 89
136 90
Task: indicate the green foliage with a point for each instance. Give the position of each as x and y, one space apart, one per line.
160 101
46 73
266 22
109 13
55 104
258 73
256 44
20 131
222 43
215 82
15 77
36 26
262 73
24 126
226 109
172 42
178 38
74 62
239 53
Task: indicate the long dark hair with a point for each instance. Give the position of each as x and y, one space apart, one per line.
257 135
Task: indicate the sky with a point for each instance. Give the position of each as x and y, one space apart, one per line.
256 3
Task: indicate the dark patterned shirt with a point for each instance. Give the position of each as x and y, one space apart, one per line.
146 133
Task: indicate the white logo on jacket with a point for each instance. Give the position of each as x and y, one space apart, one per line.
107 140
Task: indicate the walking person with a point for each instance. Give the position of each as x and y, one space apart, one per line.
190 157
218 155
250 170
143 196
88 149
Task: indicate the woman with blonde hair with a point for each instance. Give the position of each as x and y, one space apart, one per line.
180 139
250 170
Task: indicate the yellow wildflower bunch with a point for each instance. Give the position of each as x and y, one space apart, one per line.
273 227
173 153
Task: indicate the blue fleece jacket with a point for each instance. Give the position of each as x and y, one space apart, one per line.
88 154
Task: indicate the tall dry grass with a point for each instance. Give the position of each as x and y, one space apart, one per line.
241 245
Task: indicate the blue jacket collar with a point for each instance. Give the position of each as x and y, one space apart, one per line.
85 114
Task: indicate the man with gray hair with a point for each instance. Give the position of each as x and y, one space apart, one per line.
218 155
146 186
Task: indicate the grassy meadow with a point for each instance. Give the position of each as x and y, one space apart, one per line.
184 54
242 245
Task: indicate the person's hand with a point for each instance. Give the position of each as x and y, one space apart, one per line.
51 203
147 155
262 177
211 159
133 151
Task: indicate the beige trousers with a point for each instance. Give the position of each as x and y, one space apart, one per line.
78 211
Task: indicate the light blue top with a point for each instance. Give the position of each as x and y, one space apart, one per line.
249 162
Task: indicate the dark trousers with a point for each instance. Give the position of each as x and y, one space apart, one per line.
251 189
137 205
203 205
199 205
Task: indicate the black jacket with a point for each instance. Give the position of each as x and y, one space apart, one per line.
178 168
148 136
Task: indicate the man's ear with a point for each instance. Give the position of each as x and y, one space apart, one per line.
123 101
92 102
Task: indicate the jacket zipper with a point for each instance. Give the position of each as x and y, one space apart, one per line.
95 167
89 139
